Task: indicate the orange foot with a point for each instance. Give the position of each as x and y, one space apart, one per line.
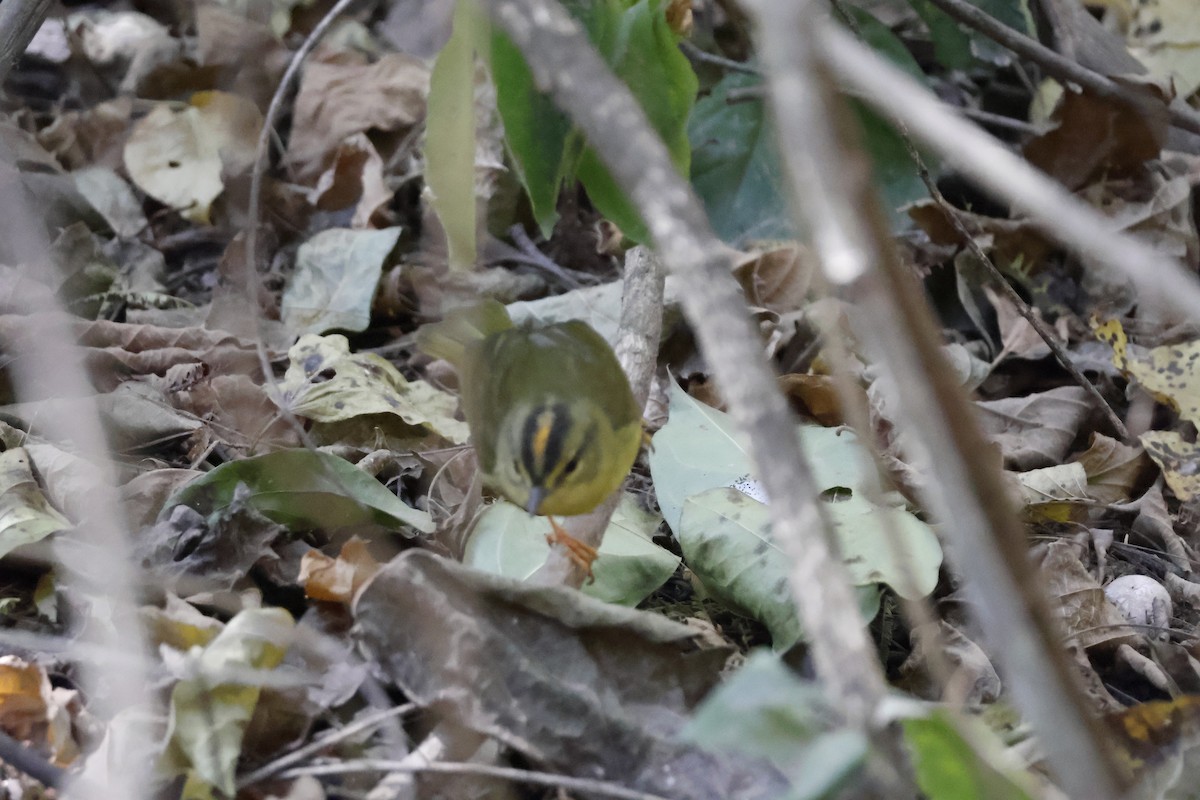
580 553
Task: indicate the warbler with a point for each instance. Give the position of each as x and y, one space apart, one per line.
552 418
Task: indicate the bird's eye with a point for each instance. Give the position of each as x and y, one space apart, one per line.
571 466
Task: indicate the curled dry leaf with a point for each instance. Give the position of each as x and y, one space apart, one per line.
177 155
336 101
1035 431
337 580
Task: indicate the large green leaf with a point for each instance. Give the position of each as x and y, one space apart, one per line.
534 129
737 170
642 50
301 489
698 462
646 57
765 711
955 45
949 766
508 541
726 538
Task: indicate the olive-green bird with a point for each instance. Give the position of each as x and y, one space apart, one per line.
552 417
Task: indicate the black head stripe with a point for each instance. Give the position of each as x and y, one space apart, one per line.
543 438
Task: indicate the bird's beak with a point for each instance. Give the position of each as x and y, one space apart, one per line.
536 495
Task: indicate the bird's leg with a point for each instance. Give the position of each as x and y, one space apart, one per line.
580 553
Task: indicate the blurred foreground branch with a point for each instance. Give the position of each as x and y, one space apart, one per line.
564 64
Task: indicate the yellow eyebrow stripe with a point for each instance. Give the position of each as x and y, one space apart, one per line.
541 435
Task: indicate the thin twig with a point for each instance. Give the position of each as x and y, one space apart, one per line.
460 768
535 257
247 267
31 763
696 54
998 279
568 67
637 350
1057 213
1061 67
966 489
320 743
998 120
19 23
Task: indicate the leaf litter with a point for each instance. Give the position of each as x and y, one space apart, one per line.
297 538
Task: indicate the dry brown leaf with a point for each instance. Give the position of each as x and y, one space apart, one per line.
1116 472
91 137
973 682
32 711
249 58
354 179
339 100
817 397
1098 135
1006 240
337 580
1084 612
238 414
143 497
1036 430
776 279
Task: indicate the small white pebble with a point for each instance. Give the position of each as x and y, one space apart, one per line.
1141 600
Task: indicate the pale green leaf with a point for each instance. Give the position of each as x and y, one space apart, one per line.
337 271
697 455
26 516
450 135
211 707
726 539
508 541
326 383
949 766
301 489
766 711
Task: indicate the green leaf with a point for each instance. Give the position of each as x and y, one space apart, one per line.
534 129
210 709
893 169
641 49
301 489
26 516
949 46
726 539
951 43
738 173
507 541
949 767
646 57
450 135
765 711
337 271
736 168
884 42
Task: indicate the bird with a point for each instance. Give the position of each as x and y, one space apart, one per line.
551 413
